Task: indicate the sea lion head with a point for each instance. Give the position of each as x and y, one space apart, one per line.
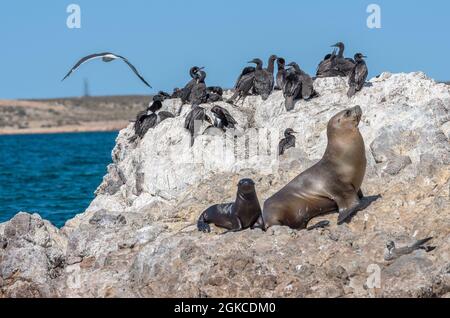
246 186
347 120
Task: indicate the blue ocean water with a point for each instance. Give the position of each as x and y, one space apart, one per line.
53 175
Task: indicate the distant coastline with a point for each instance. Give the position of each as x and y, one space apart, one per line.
84 127
69 115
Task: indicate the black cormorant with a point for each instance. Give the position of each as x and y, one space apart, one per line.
307 91
358 75
150 118
215 94
199 93
145 120
247 70
263 82
156 104
194 119
216 90
271 64
163 115
292 89
186 91
164 95
341 65
177 93
325 67
223 118
244 84
287 142
281 74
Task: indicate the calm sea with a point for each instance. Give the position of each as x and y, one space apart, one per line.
53 175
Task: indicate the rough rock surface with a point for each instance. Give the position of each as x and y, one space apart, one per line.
138 237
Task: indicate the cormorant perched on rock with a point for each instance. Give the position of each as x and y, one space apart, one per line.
216 90
341 65
144 121
325 67
292 88
281 74
164 95
358 75
149 119
246 71
177 93
163 115
199 93
186 92
215 94
193 120
307 91
157 104
243 84
287 142
223 118
263 82
271 64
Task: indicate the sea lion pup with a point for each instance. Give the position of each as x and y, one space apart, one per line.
237 216
333 184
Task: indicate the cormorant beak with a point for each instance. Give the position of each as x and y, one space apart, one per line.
364 56
201 68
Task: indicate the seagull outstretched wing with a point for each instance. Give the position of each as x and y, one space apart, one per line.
101 55
134 70
84 60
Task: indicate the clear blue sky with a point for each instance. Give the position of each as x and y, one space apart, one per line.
164 38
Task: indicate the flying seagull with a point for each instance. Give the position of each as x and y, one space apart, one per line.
106 57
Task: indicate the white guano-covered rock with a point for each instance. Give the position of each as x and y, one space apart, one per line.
138 237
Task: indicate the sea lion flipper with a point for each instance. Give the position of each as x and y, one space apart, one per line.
346 211
202 224
345 214
259 224
320 225
360 194
238 228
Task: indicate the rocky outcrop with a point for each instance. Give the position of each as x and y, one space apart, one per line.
138 237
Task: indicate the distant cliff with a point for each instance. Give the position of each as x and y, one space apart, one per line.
138 237
69 114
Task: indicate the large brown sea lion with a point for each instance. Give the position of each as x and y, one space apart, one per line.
333 184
